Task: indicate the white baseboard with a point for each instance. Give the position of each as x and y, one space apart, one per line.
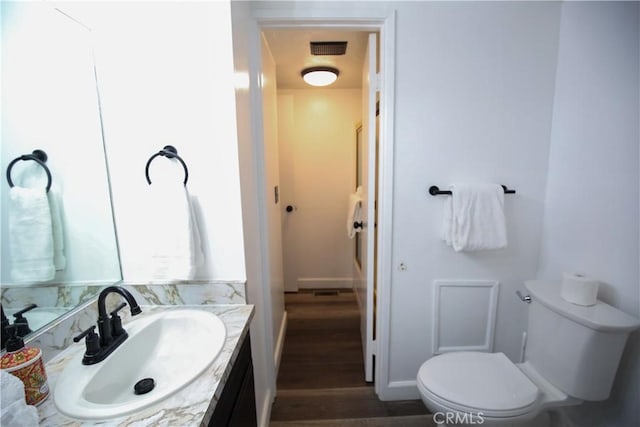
400 390
280 343
266 409
325 282
561 417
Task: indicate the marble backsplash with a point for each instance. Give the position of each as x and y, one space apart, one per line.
70 296
59 334
49 295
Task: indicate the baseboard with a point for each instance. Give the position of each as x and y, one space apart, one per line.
325 282
560 417
266 409
403 420
400 390
280 343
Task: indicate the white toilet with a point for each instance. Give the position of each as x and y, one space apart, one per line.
572 354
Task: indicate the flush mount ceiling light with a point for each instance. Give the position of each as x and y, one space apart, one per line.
320 76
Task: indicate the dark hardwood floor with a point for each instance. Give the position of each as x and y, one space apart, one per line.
321 377
322 348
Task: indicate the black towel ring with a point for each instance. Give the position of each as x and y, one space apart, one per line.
38 156
170 152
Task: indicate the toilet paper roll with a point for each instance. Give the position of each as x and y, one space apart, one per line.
578 289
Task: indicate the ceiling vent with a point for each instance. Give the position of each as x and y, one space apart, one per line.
328 48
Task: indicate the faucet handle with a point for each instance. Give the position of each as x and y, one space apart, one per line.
118 308
116 322
21 322
92 340
18 314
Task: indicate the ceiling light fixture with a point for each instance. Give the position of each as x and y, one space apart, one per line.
320 76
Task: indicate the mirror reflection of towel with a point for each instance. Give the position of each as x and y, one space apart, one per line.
35 180
30 235
59 260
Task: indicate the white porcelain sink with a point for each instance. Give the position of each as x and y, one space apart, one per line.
172 347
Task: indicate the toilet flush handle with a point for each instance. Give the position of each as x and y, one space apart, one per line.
525 298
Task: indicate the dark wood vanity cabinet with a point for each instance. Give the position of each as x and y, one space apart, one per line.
237 405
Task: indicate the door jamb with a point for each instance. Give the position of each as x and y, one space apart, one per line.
365 19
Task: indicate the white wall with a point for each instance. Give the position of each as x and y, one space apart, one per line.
49 102
591 206
474 88
474 92
317 151
165 72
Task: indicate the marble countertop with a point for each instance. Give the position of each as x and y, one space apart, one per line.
193 405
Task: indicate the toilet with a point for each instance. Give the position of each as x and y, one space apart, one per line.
572 354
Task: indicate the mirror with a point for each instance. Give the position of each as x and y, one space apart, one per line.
58 248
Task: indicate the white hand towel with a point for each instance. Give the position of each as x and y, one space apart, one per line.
15 411
354 211
30 235
474 217
174 237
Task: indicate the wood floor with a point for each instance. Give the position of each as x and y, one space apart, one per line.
321 378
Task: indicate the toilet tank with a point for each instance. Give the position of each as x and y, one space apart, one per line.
576 348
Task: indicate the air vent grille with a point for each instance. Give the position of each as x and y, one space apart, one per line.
328 48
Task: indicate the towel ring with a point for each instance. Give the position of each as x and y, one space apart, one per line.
38 156
170 152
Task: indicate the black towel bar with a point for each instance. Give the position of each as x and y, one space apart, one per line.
170 152
435 191
38 156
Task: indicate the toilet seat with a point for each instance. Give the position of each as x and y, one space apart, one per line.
475 382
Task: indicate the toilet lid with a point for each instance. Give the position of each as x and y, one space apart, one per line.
487 382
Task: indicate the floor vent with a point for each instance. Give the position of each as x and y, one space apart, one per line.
328 48
325 293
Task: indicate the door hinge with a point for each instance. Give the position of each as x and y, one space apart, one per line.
374 347
377 82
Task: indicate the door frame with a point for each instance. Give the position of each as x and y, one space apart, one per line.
358 18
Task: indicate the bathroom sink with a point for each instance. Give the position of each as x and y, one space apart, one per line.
172 348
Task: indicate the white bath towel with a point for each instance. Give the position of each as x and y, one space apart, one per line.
15 411
474 217
354 212
174 237
30 235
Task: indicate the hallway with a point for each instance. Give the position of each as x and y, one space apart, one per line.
321 378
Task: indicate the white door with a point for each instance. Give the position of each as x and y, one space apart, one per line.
292 226
365 285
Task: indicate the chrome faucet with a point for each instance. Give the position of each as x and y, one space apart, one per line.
110 331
